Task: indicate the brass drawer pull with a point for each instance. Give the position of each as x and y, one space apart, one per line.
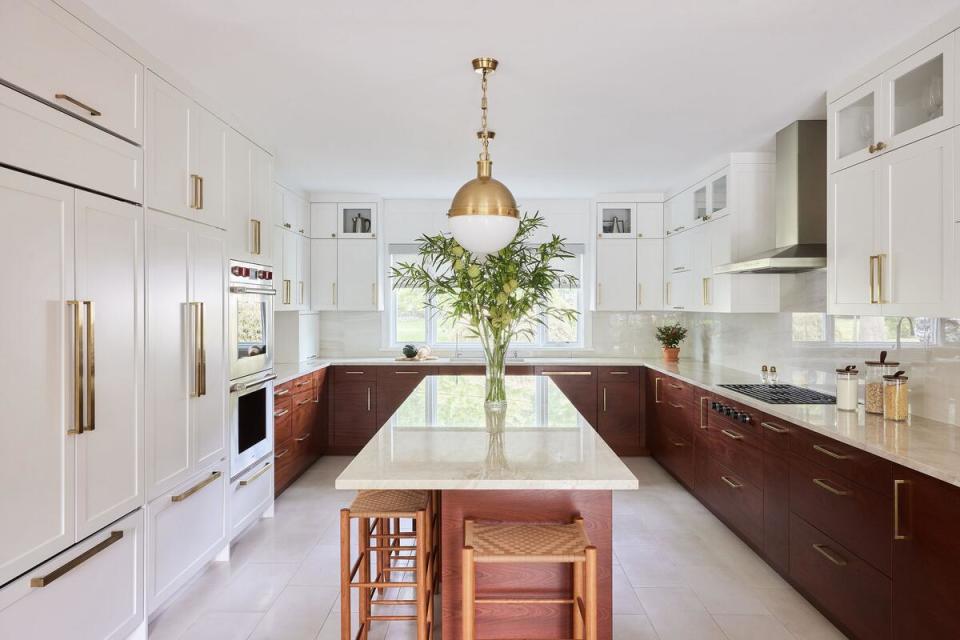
180 497
306 437
830 554
675 405
255 476
619 373
78 370
281 413
93 112
678 444
733 435
354 373
280 454
828 452
823 484
256 236
896 510
407 373
773 427
567 373
91 368
656 390
303 402
42 581
282 392
733 484
676 386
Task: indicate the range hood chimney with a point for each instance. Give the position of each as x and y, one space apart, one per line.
801 204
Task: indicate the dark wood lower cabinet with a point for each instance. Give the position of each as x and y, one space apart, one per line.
579 385
394 384
354 416
776 510
299 430
618 417
926 557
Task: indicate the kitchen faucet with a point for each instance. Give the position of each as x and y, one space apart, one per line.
900 326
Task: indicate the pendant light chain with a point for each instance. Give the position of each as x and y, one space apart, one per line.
484 137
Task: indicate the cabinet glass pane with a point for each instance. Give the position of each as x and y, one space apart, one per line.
718 191
855 126
700 202
616 219
918 95
357 220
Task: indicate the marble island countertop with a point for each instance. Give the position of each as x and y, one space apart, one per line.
921 444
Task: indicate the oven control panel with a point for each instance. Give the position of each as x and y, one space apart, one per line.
250 274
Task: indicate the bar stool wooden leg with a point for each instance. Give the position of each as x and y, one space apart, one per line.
590 603
579 604
381 540
345 574
468 601
422 555
365 592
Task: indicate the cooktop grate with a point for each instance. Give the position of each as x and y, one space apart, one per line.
781 393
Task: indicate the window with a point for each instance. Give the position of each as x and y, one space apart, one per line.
410 320
873 330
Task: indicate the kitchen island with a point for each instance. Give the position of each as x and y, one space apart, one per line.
542 463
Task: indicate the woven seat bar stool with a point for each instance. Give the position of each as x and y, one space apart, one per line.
397 530
518 543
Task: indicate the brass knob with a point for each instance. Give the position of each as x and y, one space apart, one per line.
872 148
881 146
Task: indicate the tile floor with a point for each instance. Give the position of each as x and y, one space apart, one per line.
678 574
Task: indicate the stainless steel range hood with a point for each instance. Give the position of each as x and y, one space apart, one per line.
801 204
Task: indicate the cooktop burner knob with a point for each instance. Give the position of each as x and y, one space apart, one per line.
744 418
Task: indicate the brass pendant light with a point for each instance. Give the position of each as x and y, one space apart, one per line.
483 215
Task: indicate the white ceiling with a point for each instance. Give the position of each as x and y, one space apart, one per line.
612 95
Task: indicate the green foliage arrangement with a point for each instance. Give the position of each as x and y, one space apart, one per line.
671 335
501 295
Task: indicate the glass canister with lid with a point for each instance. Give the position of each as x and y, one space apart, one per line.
896 402
848 387
873 389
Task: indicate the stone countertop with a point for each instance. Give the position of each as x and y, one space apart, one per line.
927 446
924 445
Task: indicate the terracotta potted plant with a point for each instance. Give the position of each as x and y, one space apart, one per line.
670 336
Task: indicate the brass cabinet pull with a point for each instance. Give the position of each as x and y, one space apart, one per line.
896 510
830 554
828 452
200 180
281 413
280 454
705 287
676 386
640 292
286 292
306 437
678 444
301 292
567 373
334 296
604 399
599 293
773 427
733 435
733 484
875 148
93 112
303 402
78 369
199 351
656 390
667 288
703 402
196 191
880 297
872 148
675 405
91 368
406 373
355 373
373 293
826 486
203 349
619 373
282 392
42 581
180 497
255 476
256 236
368 398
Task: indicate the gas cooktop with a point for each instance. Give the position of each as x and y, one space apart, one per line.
781 393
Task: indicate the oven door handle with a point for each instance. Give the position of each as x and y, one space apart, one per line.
245 387
255 291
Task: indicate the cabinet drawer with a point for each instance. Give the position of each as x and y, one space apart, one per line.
856 595
46 51
672 389
303 383
856 517
776 434
738 450
343 374
303 402
681 417
97 597
187 528
674 453
733 497
282 391
618 374
250 495
850 462
282 425
47 142
283 455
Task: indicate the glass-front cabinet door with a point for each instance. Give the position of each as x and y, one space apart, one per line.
856 119
920 95
616 219
357 219
718 195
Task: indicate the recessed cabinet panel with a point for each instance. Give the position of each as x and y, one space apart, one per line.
169 147
323 220
649 274
852 207
616 275
649 220
323 275
357 273
210 166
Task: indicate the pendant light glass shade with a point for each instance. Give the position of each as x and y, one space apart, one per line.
483 215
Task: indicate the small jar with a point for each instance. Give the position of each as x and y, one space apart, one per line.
848 387
773 376
896 405
873 388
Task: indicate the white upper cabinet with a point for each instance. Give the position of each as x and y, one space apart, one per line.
47 52
250 201
892 232
717 187
649 274
616 219
209 168
616 275
682 212
357 219
323 219
912 100
170 147
323 274
109 258
293 212
649 220
357 275
303 272
40 382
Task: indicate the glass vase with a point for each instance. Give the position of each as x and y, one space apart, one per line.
495 345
